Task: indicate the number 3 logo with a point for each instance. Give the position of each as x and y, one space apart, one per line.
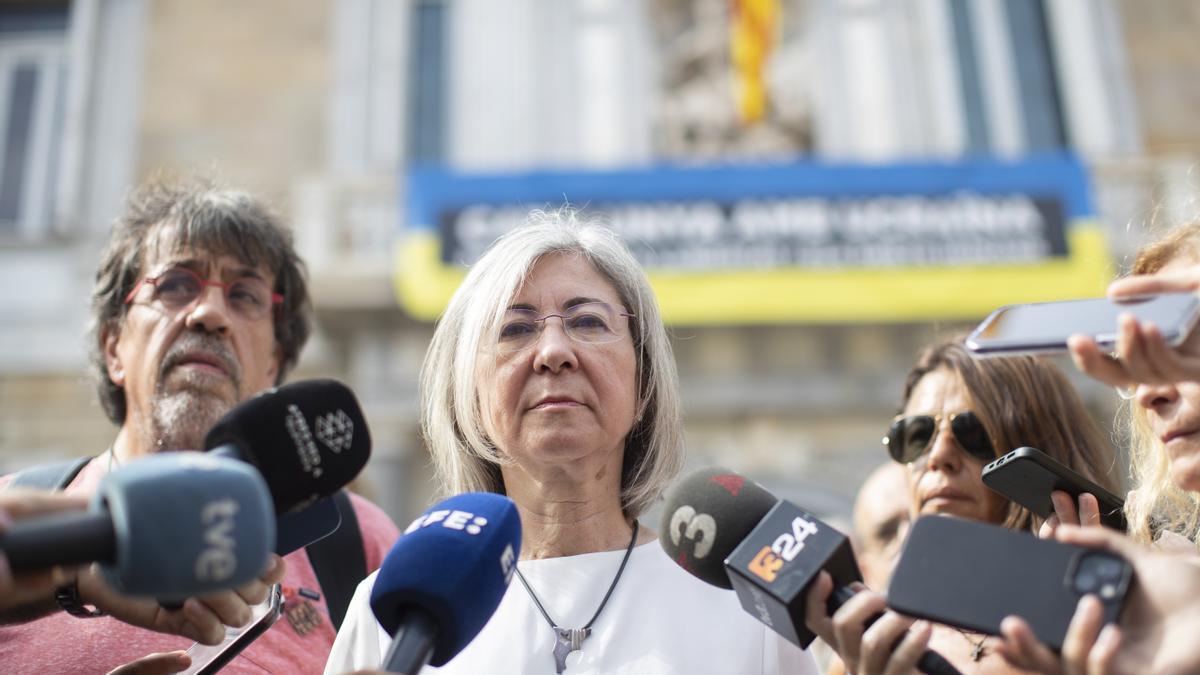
700 528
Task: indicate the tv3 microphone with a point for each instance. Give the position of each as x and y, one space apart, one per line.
169 526
731 532
308 439
445 577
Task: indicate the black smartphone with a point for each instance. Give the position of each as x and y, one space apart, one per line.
209 659
1044 327
971 575
1028 476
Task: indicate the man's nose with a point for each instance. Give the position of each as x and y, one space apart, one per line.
209 311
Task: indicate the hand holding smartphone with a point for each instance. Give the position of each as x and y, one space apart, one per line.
972 575
1044 327
1027 476
208 659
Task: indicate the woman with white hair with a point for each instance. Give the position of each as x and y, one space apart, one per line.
550 379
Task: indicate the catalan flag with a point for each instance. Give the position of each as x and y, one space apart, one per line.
754 27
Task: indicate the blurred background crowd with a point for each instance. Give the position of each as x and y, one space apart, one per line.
817 187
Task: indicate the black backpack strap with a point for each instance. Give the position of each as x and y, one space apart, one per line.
52 476
339 561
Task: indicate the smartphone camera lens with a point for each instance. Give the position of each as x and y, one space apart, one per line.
1108 570
1086 582
1097 572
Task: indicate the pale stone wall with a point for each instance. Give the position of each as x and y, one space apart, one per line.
237 88
1164 58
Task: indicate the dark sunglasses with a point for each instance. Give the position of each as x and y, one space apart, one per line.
910 437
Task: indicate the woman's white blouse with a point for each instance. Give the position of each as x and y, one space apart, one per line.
659 619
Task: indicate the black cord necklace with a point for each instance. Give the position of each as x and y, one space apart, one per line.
567 640
978 652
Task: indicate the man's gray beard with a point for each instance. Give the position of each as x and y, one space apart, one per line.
180 420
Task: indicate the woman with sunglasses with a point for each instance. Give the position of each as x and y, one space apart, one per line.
959 413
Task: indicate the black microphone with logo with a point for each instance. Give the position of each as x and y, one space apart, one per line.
308 439
730 532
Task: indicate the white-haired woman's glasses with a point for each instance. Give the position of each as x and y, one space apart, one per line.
586 322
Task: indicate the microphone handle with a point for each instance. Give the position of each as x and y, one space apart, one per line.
930 663
412 647
228 450
68 539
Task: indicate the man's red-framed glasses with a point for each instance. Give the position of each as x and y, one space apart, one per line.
179 287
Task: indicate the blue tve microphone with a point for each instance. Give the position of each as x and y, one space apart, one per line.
445 577
168 526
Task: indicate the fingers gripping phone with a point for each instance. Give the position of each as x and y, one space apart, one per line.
1043 327
1027 476
208 659
972 575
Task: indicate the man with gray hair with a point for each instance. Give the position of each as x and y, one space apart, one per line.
200 302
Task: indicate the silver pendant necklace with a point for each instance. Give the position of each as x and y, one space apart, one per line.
567 640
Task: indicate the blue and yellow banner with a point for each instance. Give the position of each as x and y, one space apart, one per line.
787 243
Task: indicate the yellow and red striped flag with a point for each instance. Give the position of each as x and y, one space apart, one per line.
753 33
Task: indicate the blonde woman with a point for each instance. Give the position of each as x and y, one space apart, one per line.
1164 507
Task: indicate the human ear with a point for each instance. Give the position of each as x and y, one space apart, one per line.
109 339
276 363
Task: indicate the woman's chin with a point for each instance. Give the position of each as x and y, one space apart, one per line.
1185 472
555 450
959 508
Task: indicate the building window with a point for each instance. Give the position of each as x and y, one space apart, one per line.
1040 101
427 119
1033 113
974 109
32 92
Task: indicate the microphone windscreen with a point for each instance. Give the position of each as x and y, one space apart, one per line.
454 563
309 439
186 523
706 515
